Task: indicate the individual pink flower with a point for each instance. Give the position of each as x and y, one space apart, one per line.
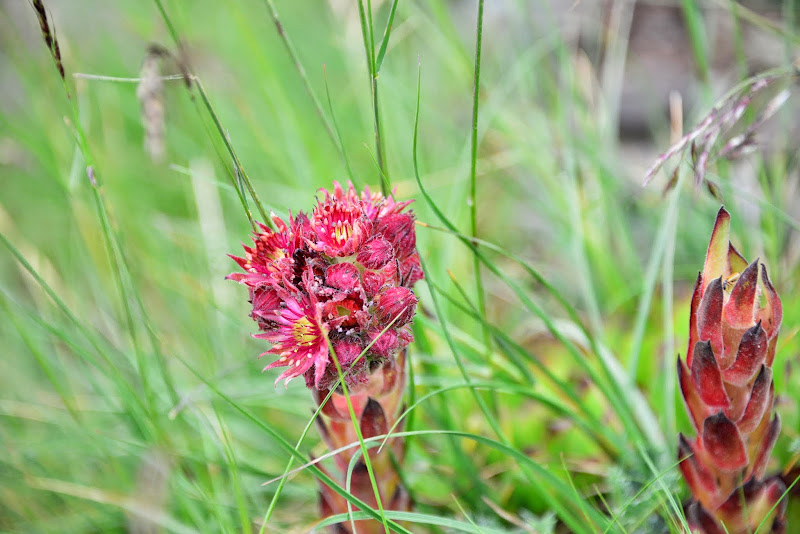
339 227
299 340
270 246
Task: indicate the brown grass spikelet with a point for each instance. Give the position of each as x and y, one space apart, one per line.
49 35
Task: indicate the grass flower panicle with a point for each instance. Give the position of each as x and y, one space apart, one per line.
727 387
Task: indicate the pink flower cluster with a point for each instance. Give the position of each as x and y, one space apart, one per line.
343 273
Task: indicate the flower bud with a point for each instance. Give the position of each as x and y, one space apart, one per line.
342 276
396 304
375 253
398 228
385 343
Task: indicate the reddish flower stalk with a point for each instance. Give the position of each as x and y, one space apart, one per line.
727 387
342 276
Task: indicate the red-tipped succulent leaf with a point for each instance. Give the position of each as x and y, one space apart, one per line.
727 387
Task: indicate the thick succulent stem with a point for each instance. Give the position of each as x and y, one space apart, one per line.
377 403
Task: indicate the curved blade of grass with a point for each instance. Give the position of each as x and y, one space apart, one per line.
137 407
520 364
493 423
668 333
553 404
44 363
236 482
579 500
119 263
415 518
357 429
336 128
499 387
193 80
477 314
640 408
477 529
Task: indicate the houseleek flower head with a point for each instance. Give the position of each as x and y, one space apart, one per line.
727 386
340 277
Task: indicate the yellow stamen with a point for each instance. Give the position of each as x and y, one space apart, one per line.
303 332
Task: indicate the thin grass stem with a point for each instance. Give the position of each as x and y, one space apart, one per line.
473 163
301 71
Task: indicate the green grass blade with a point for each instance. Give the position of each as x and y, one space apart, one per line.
385 41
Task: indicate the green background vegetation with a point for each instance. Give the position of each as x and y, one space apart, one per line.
130 392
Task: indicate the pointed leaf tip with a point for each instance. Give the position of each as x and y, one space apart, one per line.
760 401
750 356
694 335
735 259
373 420
707 377
772 313
701 521
717 255
709 317
741 501
722 440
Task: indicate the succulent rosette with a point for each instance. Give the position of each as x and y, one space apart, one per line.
727 386
342 275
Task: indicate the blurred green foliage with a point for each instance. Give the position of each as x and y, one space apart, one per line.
97 439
